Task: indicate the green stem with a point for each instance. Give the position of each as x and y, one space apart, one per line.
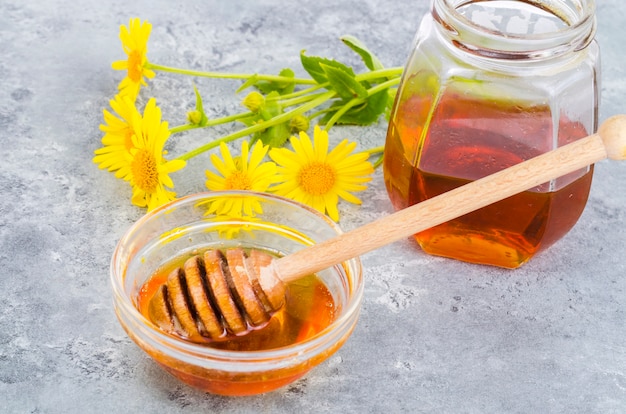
299 100
380 73
320 112
375 150
297 97
210 122
378 162
259 127
300 92
183 128
222 75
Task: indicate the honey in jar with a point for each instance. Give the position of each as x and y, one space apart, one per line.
488 85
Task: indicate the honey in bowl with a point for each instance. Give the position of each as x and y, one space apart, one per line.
309 308
319 313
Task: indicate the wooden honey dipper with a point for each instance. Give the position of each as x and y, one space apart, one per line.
217 295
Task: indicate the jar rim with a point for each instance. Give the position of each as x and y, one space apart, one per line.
577 32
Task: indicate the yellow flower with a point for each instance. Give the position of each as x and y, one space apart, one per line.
118 133
246 172
135 43
313 176
146 169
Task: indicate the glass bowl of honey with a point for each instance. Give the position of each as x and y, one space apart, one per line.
319 313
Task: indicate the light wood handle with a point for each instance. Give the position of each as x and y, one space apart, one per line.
610 141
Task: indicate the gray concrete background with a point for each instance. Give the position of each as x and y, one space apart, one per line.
435 335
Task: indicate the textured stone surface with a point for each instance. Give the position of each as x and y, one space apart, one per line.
435 335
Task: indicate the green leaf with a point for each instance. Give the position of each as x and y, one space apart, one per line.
363 114
271 108
281 87
312 65
287 87
250 120
343 82
370 60
274 136
252 80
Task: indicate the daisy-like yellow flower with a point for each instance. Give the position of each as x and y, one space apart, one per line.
135 43
118 135
146 169
313 176
246 172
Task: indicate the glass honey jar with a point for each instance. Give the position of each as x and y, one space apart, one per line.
490 84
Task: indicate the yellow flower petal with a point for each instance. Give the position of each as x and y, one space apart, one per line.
245 172
147 170
314 176
135 44
117 140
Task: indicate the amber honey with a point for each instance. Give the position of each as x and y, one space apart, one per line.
429 152
318 316
309 308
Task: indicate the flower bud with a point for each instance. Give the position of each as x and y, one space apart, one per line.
254 101
299 123
194 117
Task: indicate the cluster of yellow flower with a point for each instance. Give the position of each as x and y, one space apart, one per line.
133 142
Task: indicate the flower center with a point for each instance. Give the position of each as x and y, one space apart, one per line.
135 66
238 180
144 170
317 178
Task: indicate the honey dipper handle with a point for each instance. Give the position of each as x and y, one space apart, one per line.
610 141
